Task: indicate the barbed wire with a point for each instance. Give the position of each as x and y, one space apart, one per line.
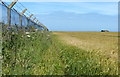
27 12
19 6
4 3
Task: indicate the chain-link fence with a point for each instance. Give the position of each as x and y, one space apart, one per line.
14 19
16 31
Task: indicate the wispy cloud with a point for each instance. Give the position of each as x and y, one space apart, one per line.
67 21
106 8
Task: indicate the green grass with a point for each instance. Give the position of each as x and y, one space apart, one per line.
44 54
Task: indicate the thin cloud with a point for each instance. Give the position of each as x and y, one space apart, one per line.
106 8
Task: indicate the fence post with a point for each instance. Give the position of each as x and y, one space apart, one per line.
20 21
28 22
9 12
21 17
9 16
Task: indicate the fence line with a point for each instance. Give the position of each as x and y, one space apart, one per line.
13 18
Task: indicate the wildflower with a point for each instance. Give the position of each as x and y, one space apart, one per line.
36 30
48 35
27 32
28 35
47 38
13 33
1 57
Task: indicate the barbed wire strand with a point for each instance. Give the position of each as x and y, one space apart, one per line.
28 13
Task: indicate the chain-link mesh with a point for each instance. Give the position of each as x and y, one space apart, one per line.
4 11
15 30
24 21
15 19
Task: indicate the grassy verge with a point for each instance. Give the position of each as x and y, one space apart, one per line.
22 52
44 54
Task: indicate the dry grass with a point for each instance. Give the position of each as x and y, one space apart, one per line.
104 42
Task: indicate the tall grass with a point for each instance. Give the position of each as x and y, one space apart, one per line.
20 51
75 61
44 54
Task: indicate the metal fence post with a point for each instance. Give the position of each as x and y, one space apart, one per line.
9 12
28 21
9 16
20 18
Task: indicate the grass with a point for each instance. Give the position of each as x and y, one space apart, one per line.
43 53
103 42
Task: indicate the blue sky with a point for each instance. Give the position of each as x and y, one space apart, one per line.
76 16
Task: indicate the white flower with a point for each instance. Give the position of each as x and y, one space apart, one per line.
27 32
28 35
1 57
13 33
47 38
36 29
48 35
